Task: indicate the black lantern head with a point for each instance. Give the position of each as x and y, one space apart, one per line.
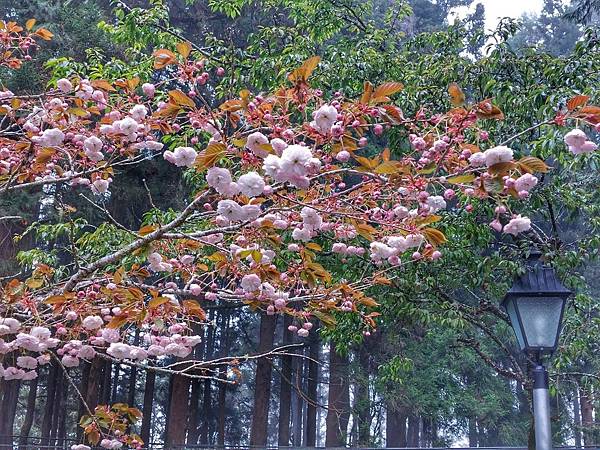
535 305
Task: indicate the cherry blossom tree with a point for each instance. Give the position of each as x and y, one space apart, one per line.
286 186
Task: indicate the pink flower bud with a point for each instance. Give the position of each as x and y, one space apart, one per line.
378 129
343 156
496 225
449 194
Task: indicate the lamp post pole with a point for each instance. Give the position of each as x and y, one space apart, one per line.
541 408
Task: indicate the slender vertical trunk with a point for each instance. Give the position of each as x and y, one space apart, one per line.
115 394
472 433
30 413
221 421
225 344
262 383
178 408
106 382
9 410
577 417
133 375
338 413
196 390
587 417
61 432
60 381
194 414
285 395
49 406
362 401
298 402
312 390
412 435
395 426
148 405
206 391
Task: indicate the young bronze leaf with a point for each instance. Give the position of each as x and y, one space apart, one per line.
387 89
181 99
367 93
433 236
184 48
578 100
457 96
533 164
458 179
303 72
163 58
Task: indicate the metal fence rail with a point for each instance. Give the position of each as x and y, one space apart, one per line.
12 443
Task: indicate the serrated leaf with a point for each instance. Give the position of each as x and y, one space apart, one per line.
434 236
391 167
55 300
184 48
383 91
533 164
457 96
147 229
163 58
117 322
501 168
103 85
367 93
179 98
459 179
302 73
314 246
578 100
44 155
156 302
44 34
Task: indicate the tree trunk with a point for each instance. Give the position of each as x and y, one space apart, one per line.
577 418
285 394
148 405
262 383
178 407
115 395
49 406
587 417
338 413
312 390
61 431
298 402
395 427
362 401
133 375
222 400
30 413
194 414
206 391
473 433
412 435
225 345
8 411
60 380
106 383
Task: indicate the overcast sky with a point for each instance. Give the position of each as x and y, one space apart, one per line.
496 9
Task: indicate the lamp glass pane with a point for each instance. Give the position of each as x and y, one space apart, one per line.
514 321
541 319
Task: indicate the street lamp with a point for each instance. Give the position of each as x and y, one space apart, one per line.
535 304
